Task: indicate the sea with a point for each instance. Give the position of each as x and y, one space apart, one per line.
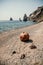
6 25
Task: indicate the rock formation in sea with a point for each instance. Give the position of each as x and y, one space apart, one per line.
37 15
11 19
25 17
20 19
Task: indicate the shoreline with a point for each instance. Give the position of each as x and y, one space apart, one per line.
25 24
19 28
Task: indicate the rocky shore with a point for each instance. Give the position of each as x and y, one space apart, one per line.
37 15
15 52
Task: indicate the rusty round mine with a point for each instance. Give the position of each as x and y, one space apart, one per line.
24 36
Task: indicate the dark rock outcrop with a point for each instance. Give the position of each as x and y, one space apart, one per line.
37 15
25 17
11 19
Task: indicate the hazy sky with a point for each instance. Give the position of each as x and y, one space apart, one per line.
17 8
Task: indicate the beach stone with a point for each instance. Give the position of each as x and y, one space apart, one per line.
22 56
13 52
24 36
33 46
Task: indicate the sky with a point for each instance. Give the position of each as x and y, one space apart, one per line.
17 8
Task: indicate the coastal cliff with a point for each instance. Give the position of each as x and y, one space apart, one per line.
37 15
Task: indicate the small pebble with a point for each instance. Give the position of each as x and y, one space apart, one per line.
13 52
33 47
22 56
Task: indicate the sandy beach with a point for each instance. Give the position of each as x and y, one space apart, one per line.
10 42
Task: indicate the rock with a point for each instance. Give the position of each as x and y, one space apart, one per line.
37 15
25 17
11 19
13 52
20 19
33 46
24 36
22 56
34 20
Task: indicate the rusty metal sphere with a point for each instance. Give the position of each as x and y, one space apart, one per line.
24 36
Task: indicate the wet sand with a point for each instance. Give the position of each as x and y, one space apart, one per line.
10 42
